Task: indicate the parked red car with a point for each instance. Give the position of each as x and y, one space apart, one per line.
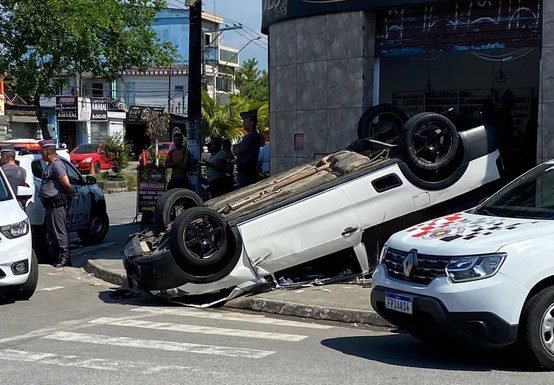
85 154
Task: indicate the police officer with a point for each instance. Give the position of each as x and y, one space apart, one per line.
16 175
56 194
248 150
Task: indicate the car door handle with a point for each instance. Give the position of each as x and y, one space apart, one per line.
349 230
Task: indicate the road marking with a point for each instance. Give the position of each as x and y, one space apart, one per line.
183 328
88 363
229 316
52 288
159 345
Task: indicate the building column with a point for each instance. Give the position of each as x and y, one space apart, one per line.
545 134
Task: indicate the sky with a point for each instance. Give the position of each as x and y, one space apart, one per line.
249 13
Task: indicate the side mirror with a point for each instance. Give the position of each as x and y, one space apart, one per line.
90 180
24 192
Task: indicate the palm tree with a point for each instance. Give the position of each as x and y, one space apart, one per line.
219 121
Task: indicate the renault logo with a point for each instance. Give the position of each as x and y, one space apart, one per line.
410 263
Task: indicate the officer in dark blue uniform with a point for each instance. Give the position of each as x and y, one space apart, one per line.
56 194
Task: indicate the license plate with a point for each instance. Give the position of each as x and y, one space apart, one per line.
399 303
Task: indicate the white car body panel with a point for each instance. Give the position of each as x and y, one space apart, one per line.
16 249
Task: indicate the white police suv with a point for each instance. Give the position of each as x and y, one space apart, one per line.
18 263
485 275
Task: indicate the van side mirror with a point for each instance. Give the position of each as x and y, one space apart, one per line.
24 192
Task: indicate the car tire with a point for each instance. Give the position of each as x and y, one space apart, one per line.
170 205
97 168
429 142
537 314
98 228
25 291
197 226
383 122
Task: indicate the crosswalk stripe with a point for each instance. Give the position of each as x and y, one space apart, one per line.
229 316
183 328
87 363
172 346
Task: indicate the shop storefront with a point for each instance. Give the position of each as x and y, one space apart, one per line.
86 120
344 56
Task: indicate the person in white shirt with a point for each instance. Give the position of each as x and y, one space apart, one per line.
264 161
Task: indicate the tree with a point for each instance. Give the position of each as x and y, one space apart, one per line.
252 83
44 43
157 126
220 121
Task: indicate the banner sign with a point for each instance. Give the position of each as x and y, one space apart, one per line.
141 114
66 108
99 110
151 186
275 11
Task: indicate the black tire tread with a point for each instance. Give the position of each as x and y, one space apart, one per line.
165 203
88 238
373 112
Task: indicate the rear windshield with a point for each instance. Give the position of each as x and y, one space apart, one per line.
4 191
85 149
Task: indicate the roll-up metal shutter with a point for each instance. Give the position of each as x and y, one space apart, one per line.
459 26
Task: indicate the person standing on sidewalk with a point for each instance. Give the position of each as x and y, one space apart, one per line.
216 167
248 150
177 160
56 194
16 175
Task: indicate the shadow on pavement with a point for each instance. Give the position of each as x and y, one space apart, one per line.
111 248
403 350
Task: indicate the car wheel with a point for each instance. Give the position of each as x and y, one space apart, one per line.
170 205
203 245
26 291
97 168
382 122
537 328
429 141
97 230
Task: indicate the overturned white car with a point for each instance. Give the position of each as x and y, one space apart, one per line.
352 199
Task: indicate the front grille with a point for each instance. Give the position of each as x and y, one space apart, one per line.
428 267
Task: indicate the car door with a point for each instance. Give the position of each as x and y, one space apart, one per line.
302 231
81 204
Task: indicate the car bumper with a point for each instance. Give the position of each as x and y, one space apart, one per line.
478 312
13 251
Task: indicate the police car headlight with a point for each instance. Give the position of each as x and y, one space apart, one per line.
15 230
383 253
87 160
464 269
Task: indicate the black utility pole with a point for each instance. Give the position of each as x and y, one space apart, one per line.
194 143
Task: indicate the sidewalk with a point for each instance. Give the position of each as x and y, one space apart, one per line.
341 302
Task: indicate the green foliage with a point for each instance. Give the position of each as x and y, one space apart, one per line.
252 83
45 42
131 181
117 152
220 121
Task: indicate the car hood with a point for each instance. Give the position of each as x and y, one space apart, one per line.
11 213
466 233
79 157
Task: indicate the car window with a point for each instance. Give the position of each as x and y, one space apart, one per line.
530 196
73 174
86 149
36 168
4 191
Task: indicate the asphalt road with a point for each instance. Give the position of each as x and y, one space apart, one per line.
73 330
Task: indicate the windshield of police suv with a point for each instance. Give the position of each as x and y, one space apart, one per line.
86 149
4 191
531 196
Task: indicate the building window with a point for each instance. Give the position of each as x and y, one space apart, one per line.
224 84
207 39
179 90
98 90
129 93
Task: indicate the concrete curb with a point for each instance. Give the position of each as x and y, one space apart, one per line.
308 311
105 274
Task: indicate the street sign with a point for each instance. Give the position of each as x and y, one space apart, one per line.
151 186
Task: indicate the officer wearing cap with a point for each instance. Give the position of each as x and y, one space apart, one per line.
16 175
248 150
56 194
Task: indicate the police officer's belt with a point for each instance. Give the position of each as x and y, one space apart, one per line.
56 201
